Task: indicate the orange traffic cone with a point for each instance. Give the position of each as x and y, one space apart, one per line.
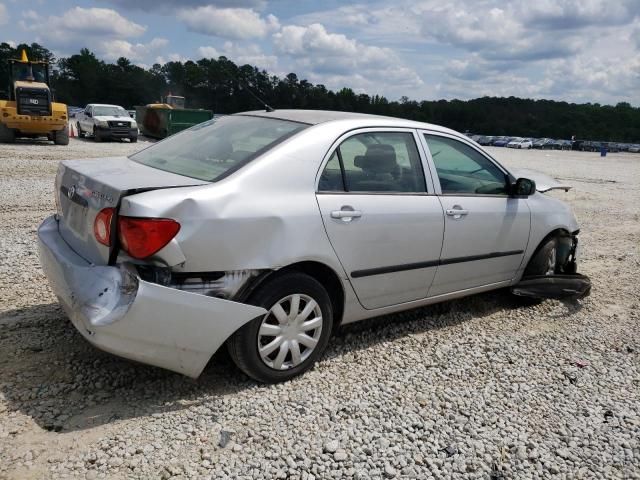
72 130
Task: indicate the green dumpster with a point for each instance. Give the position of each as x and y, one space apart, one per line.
161 122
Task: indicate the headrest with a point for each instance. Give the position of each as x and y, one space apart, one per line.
380 158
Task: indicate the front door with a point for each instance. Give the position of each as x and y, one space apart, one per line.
385 226
486 230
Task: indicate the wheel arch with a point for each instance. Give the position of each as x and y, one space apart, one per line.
321 272
556 232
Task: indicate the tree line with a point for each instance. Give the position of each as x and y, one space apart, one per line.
224 87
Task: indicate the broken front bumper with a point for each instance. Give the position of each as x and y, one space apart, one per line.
572 286
120 313
566 285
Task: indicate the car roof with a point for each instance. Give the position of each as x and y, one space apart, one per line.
316 117
102 105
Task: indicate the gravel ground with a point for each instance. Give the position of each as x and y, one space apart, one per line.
477 388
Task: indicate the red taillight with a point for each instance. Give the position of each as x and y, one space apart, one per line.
102 226
142 237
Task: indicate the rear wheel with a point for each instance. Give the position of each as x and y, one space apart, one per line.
291 336
7 135
61 137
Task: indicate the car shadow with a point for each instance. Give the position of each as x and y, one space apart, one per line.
50 373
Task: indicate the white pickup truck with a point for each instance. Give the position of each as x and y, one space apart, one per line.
105 122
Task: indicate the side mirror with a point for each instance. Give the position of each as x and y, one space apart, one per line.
89 114
523 187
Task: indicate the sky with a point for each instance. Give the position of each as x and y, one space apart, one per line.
572 50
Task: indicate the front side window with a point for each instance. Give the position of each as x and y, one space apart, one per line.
375 162
212 150
463 170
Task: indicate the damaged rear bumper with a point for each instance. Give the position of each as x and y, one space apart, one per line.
120 313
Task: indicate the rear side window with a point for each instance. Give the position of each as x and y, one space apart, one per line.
213 150
375 162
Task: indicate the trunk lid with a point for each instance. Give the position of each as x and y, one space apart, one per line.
84 187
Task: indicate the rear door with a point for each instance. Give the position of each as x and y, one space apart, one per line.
486 231
381 216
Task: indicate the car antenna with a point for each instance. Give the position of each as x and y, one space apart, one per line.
267 107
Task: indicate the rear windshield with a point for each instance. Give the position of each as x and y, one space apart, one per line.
212 150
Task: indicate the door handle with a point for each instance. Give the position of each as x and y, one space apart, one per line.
346 214
457 212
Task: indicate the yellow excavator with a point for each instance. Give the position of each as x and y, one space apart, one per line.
30 110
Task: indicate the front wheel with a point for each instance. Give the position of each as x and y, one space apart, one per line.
288 340
7 135
545 260
61 137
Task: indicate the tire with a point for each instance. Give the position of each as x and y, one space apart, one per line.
97 138
61 137
7 135
243 344
133 139
544 261
80 132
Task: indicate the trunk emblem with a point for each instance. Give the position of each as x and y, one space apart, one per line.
72 191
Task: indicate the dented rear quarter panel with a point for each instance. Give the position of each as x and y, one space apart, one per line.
264 216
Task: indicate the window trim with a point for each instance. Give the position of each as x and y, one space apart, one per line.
426 168
432 166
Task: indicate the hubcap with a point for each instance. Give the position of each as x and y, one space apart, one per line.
289 332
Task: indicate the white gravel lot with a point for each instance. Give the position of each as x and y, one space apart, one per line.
477 388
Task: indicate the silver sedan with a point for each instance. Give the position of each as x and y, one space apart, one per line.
265 231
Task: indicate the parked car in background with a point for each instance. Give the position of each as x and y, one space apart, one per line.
106 122
612 147
634 148
560 144
265 230
485 140
590 146
541 143
73 111
565 144
500 141
520 143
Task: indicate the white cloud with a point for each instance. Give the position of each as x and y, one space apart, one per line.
337 60
172 57
4 15
114 48
80 27
250 54
235 23
564 49
166 6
